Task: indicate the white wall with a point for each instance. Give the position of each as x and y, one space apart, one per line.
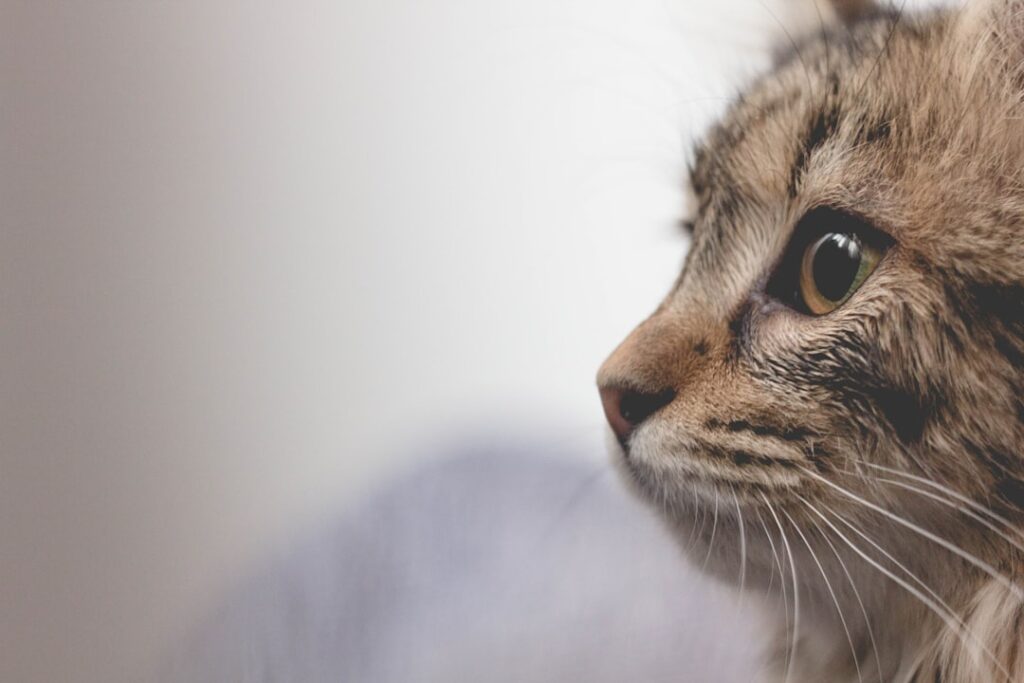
255 256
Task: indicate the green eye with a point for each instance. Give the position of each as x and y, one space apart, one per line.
832 268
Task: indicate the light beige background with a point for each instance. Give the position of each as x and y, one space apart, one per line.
256 256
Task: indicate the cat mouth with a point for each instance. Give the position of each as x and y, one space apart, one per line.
686 467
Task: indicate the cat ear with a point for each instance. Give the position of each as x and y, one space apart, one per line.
850 11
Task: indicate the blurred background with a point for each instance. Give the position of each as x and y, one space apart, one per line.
259 258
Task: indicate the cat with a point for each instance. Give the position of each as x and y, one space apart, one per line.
827 409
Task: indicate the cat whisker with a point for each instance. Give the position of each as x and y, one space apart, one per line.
794 634
938 540
857 597
693 520
771 566
778 563
792 42
824 38
698 501
711 541
940 609
965 510
960 502
831 592
743 547
882 52
974 641
973 504
891 558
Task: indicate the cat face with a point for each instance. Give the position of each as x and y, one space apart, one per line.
851 309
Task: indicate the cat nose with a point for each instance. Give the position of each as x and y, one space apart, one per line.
626 408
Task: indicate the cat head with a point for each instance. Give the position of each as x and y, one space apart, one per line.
851 309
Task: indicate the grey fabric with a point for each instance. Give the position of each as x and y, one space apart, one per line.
499 565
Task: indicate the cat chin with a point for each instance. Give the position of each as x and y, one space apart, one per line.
729 546
718 527
672 471
659 478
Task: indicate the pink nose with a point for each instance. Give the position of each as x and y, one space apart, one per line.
626 409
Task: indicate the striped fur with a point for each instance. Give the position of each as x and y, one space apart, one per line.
867 464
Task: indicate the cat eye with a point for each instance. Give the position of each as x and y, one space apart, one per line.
833 267
831 255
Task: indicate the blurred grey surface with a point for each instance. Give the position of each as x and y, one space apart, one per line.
496 565
255 255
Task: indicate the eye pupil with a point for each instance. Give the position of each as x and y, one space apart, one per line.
830 255
836 261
